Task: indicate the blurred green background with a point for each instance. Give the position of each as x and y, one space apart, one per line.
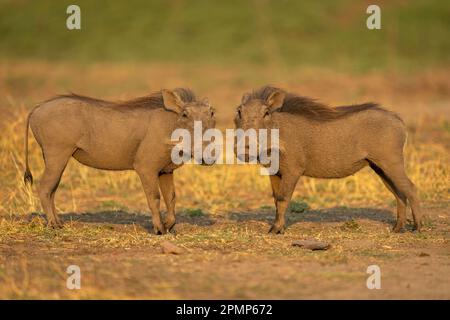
333 34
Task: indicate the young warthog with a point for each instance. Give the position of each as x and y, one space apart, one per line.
130 135
322 142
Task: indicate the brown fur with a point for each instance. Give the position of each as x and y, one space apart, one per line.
130 135
323 142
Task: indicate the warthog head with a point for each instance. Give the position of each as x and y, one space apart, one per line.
255 113
190 111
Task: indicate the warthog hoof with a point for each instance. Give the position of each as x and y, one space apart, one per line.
159 230
55 224
274 229
417 227
170 228
399 228
170 225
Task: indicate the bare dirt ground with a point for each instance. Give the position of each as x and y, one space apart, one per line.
224 212
227 257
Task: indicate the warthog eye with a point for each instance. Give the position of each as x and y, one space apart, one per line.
266 114
184 114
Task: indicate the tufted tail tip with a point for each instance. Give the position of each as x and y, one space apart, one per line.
28 177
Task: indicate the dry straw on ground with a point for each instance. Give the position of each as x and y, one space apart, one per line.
224 211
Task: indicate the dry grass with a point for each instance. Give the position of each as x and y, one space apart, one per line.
215 189
223 210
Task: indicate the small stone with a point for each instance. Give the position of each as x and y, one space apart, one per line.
169 248
311 244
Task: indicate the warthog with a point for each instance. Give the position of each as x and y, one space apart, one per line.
323 142
130 135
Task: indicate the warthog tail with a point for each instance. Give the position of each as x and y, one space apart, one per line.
27 177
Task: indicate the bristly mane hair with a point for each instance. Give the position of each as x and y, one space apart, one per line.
310 108
152 101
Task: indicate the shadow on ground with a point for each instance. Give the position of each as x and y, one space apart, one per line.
123 217
338 214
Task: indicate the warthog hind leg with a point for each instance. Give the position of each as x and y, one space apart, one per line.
395 173
400 197
55 163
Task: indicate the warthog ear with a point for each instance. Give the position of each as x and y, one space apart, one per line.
206 102
275 100
245 98
172 101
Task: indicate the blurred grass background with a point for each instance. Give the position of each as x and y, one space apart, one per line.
414 34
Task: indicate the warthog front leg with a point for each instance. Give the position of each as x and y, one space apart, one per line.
168 191
286 186
275 184
149 182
